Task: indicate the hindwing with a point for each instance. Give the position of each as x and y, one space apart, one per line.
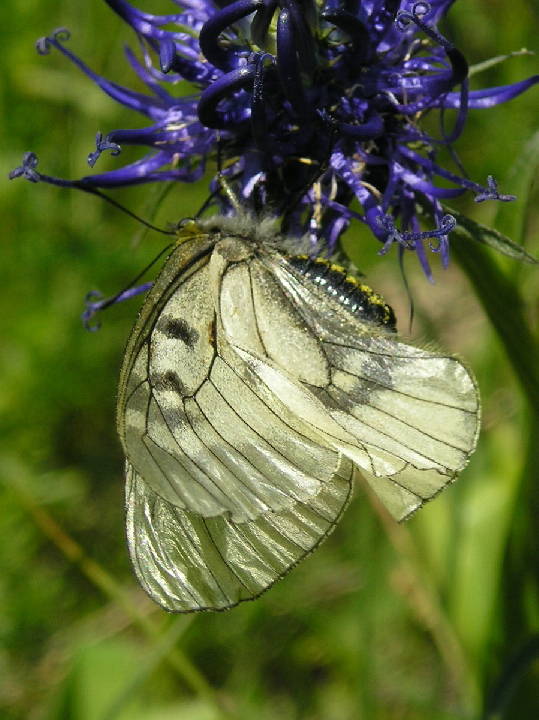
408 417
187 562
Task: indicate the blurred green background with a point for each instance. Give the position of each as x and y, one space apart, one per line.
413 622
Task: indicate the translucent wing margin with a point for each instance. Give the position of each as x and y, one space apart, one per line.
186 562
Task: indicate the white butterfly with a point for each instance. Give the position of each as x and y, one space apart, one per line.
255 388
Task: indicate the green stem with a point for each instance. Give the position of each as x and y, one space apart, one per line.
508 682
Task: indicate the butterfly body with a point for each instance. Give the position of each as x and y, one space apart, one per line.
353 295
252 394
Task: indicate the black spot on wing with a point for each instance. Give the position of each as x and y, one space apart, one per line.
178 329
168 381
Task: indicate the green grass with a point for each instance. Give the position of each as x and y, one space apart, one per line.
383 622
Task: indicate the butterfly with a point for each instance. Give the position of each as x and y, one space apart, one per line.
257 388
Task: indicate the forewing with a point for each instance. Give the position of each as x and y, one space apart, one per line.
186 562
202 434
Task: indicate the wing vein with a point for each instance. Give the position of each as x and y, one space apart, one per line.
192 544
404 422
396 439
254 312
281 419
225 562
277 452
430 356
225 442
195 463
405 394
134 390
145 437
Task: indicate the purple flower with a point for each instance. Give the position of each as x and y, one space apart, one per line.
311 108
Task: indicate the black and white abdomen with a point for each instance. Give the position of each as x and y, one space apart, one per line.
356 297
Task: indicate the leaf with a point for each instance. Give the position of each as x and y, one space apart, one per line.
471 230
504 305
491 62
521 180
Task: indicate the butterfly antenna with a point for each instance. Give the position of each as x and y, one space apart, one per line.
295 199
130 290
224 183
148 267
207 202
119 206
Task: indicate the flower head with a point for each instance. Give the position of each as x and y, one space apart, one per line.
313 108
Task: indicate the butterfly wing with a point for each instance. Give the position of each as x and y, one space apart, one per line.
416 414
248 401
227 488
203 434
187 562
407 417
